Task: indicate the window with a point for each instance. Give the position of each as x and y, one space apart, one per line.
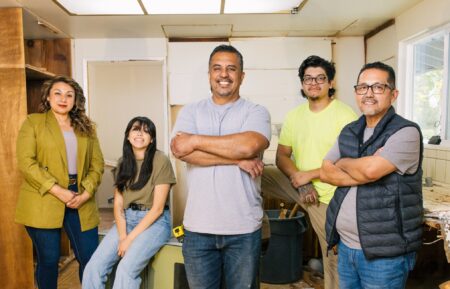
427 83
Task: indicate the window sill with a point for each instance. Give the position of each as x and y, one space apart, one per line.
443 146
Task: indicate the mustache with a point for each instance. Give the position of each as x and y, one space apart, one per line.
368 98
225 79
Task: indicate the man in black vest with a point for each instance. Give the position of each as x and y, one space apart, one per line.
375 216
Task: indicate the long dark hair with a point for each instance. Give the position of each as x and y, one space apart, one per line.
127 170
78 118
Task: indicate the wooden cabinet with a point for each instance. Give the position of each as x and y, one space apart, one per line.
44 59
16 263
19 94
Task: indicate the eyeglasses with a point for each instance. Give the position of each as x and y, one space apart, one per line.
319 79
377 88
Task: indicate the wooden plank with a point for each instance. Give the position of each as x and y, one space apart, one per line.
11 36
16 261
35 53
58 58
33 95
36 73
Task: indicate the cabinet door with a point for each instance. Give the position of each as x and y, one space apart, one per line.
16 264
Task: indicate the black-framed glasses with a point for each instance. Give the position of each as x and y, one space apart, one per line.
377 88
319 79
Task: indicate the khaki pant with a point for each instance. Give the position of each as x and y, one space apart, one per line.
275 184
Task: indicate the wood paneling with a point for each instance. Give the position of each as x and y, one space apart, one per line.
52 55
16 258
35 53
11 35
58 57
33 95
45 59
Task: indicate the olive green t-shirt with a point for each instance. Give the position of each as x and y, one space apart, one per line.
162 174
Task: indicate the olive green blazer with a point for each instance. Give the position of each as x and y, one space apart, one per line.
41 155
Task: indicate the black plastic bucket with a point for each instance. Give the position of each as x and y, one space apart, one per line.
283 260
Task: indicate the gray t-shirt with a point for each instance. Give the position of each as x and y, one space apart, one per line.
402 149
222 199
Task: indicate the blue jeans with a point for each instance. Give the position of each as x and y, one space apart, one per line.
144 247
47 246
355 271
207 257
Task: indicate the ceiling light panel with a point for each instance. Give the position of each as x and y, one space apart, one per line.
260 6
101 7
182 6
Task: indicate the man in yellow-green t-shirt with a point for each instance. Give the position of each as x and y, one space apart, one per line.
308 133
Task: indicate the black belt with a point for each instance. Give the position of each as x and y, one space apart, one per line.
72 181
142 207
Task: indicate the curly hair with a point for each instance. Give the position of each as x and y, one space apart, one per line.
316 61
78 118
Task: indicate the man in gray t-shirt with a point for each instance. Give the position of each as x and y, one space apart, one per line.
222 140
375 215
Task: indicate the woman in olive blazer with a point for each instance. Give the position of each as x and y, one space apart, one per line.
60 158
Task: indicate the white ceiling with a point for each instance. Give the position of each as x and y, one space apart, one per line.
317 18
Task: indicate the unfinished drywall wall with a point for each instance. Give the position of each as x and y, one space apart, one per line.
348 54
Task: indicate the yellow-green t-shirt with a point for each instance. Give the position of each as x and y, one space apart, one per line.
311 135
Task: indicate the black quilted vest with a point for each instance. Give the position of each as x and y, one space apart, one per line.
389 211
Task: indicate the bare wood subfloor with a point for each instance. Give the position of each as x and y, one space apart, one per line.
68 279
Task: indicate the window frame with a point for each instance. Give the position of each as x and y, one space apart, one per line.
406 77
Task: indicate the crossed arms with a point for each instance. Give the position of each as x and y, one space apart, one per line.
241 149
353 172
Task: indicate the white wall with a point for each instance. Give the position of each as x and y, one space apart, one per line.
270 66
114 49
188 71
425 16
121 90
348 55
383 47
271 70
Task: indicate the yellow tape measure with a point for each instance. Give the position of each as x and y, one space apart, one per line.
178 232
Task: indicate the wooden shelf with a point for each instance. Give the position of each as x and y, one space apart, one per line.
36 73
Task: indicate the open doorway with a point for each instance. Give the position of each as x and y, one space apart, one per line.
118 91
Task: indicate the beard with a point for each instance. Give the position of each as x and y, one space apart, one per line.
369 110
314 97
221 92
